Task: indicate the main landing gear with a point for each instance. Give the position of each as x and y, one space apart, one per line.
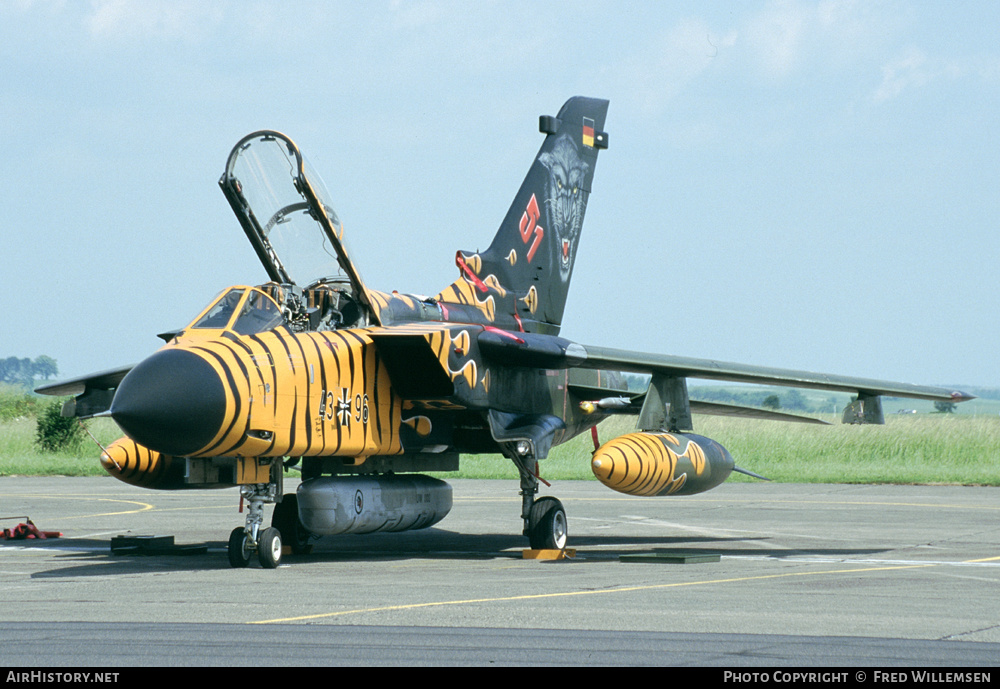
285 519
546 526
545 522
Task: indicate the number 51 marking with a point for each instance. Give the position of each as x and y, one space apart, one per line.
529 224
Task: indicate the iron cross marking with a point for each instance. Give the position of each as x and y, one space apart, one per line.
344 408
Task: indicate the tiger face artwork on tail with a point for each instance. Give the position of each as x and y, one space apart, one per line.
566 199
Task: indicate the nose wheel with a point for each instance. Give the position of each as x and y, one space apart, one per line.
244 541
242 548
269 548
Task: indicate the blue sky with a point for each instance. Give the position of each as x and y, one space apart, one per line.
812 185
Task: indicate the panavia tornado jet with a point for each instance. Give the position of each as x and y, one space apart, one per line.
365 391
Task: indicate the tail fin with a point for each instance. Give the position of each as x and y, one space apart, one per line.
528 266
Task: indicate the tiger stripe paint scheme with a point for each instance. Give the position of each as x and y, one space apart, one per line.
331 393
654 464
323 393
136 465
355 381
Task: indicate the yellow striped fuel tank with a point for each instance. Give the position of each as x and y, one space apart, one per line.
134 464
661 464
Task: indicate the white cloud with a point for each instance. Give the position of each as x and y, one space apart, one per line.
915 70
674 59
777 36
134 19
906 72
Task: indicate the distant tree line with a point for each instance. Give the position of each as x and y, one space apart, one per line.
25 372
983 393
788 400
54 432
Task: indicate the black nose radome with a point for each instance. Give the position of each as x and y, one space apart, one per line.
173 402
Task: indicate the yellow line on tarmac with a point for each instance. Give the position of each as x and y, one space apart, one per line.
564 594
832 501
143 506
760 502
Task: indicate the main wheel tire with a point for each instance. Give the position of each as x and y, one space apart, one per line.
285 519
269 548
547 526
239 552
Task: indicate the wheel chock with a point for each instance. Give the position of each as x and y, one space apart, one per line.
548 554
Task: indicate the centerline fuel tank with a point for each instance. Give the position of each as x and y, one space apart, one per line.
365 504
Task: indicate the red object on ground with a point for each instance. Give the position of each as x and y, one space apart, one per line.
28 530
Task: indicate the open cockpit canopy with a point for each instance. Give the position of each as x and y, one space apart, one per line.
286 213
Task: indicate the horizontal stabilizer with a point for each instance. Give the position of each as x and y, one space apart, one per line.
592 393
105 380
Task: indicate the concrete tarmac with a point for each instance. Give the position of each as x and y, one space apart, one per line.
830 575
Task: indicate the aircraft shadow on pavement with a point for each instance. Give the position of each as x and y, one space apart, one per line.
94 557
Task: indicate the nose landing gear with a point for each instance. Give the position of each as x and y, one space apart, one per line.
245 540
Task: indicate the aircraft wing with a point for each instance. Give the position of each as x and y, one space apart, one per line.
667 404
93 393
684 367
668 388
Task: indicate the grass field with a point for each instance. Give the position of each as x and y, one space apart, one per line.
959 449
19 455
915 448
